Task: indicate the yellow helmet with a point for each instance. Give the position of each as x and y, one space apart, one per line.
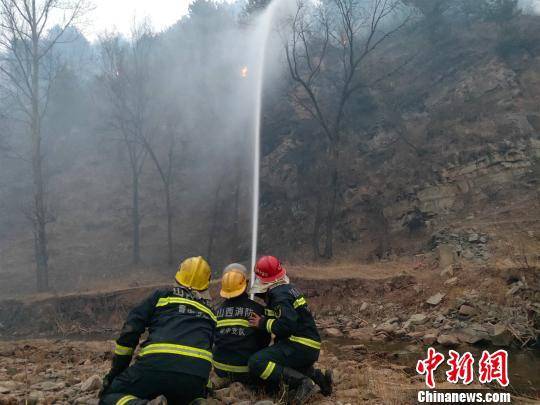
194 273
234 281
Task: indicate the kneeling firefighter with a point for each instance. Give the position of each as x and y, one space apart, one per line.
297 341
235 341
176 358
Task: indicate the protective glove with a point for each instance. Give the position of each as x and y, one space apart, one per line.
256 321
119 364
106 383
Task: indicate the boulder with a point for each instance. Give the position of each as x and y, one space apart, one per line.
9 385
49 386
418 319
4 390
416 335
91 384
387 327
448 271
429 339
35 397
359 334
501 336
332 332
467 310
447 255
470 337
356 348
435 299
86 400
514 288
451 281
447 340
351 393
364 306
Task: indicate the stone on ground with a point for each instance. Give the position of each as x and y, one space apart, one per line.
332 332
501 336
435 299
448 340
467 310
418 319
91 384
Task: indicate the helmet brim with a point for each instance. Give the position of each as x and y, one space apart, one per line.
273 278
233 294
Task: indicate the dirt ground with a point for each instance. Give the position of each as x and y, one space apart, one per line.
55 349
70 371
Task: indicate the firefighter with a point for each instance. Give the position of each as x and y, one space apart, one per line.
297 342
235 340
176 358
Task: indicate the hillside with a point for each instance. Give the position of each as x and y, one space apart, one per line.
455 160
442 160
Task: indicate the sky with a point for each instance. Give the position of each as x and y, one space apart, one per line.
118 15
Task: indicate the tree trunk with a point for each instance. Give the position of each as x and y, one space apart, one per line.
236 220
170 258
214 222
136 220
40 214
331 214
316 237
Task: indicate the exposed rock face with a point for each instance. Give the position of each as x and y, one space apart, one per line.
468 145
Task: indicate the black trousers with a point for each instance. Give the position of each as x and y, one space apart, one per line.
268 363
139 383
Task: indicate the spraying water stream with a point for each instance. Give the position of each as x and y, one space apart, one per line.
265 25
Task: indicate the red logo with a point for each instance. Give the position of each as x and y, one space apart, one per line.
494 367
429 365
461 368
491 367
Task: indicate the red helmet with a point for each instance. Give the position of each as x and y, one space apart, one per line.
269 269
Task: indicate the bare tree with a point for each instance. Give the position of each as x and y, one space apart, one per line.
147 131
165 166
26 74
127 115
326 51
217 210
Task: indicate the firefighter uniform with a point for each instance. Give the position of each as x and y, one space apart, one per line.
297 341
235 341
174 361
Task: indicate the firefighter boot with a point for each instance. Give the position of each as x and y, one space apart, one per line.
303 386
198 401
323 380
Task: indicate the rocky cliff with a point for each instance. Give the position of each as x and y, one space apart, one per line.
461 158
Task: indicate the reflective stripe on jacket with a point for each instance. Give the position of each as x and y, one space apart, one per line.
235 341
180 332
288 317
